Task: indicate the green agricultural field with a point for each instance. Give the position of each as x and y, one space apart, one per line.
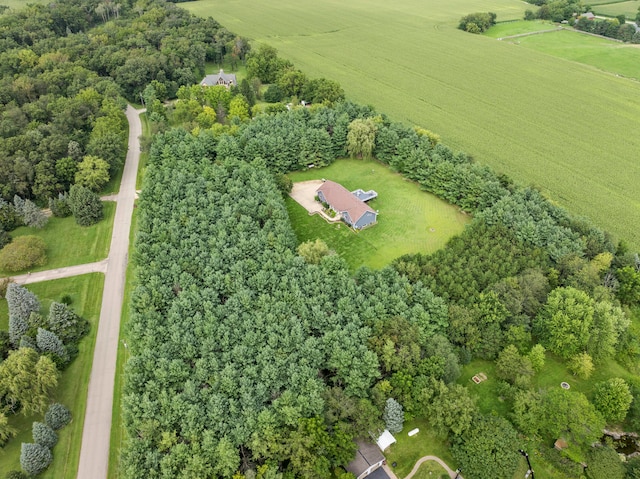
608 55
410 220
86 293
69 244
566 127
628 9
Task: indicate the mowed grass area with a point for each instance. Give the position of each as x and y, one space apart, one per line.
86 294
410 220
607 55
518 27
17 4
407 450
628 9
566 127
69 244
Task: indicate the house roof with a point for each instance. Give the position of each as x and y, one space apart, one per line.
367 455
212 80
342 200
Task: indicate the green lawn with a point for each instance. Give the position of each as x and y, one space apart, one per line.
565 127
118 433
628 9
17 4
607 55
69 244
408 450
431 470
86 293
506 29
410 220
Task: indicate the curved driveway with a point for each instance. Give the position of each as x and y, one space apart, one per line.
94 454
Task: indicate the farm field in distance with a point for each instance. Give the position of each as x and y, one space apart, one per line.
563 126
410 220
607 55
629 9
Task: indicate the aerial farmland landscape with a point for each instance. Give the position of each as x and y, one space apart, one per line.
254 239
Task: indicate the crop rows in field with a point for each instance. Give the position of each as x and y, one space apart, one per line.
565 127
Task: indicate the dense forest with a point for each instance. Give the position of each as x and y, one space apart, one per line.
251 358
301 358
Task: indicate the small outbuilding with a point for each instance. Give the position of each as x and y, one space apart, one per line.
220 79
385 440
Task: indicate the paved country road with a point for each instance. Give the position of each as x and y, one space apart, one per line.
94 454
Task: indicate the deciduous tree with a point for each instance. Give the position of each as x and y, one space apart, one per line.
28 379
23 253
93 173
613 399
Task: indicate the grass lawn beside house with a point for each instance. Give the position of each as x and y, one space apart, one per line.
69 244
410 220
86 294
407 450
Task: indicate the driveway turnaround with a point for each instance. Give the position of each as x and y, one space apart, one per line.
94 454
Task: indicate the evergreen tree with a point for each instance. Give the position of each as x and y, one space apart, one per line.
57 416
65 323
44 435
33 216
34 458
22 303
85 205
48 342
393 416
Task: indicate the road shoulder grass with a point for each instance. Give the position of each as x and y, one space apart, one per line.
69 244
410 220
86 294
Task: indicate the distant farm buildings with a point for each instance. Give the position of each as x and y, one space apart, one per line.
350 205
220 79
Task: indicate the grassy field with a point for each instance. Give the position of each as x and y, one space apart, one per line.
565 127
410 220
607 55
17 4
86 293
518 27
69 244
628 9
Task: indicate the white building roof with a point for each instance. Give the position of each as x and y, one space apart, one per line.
385 440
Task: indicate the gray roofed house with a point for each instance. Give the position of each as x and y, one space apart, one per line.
221 78
368 461
355 212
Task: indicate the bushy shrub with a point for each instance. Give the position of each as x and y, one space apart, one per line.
24 252
57 416
5 239
85 205
477 22
34 458
44 435
274 94
16 475
60 206
66 299
4 284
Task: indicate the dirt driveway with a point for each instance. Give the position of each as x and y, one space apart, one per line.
304 193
